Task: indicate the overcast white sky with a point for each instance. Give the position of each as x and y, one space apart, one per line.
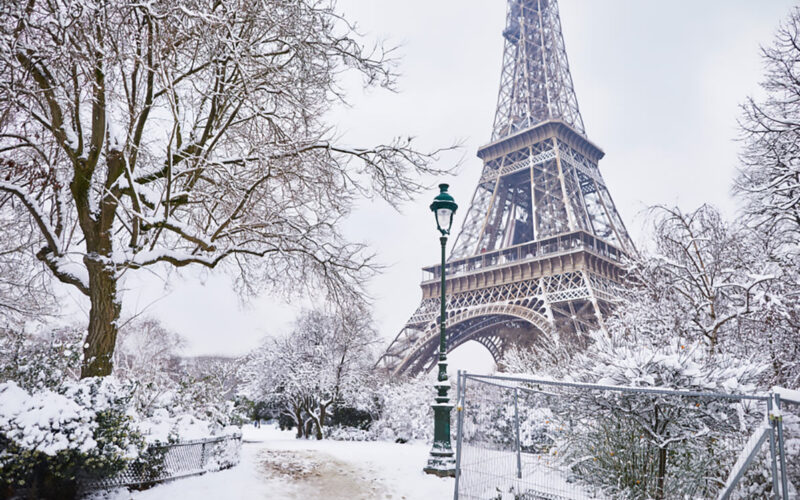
658 83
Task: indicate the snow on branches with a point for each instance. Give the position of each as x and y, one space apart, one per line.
704 270
768 184
769 177
144 134
324 361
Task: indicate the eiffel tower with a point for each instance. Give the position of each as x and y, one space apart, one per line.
540 256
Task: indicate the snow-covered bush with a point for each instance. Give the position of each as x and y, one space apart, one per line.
405 410
48 439
656 445
161 427
791 433
39 361
353 422
55 428
206 390
353 416
343 433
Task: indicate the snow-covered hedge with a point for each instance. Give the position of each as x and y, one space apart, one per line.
46 421
55 429
37 361
342 433
48 439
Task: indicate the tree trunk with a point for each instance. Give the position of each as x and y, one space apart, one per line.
298 417
320 422
309 427
103 316
662 471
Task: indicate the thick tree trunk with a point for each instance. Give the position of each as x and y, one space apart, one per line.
103 316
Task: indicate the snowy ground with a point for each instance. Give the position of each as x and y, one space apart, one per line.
275 465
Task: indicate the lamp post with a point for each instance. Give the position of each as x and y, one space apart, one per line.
441 461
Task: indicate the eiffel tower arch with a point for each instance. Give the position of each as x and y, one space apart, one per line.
540 255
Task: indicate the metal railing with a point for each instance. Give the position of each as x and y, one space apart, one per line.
551 247
532 439
162 462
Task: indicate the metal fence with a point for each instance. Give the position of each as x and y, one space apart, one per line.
172 461
528 439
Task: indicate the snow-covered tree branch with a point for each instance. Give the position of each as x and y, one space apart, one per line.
136 135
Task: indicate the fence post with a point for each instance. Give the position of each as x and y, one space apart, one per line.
460 389
516 427
773 456
203 455
779 422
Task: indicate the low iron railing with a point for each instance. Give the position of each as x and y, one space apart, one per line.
162 462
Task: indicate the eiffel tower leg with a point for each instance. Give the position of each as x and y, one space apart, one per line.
442 460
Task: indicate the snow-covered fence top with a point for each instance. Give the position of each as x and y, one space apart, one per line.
163 462
521 380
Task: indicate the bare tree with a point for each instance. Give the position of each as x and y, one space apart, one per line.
24 285
769 178
769 185
325 360
703 274
147 354
147 134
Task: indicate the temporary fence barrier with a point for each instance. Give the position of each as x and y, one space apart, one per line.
521 438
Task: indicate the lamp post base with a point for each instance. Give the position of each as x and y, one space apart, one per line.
441 463
441 460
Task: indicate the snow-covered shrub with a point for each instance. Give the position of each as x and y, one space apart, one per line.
655 445
223 454
352 417
200 398
537 428
48 439
405 410
489 416
39 361
353 423
162 428
343 433
54 427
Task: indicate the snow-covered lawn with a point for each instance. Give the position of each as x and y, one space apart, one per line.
275 465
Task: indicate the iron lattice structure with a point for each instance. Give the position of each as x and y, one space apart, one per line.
540 256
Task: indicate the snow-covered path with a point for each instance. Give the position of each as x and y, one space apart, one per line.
276 466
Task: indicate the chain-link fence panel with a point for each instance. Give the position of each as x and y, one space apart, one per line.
790 439
522 438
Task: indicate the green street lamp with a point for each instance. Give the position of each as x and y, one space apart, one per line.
441 461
